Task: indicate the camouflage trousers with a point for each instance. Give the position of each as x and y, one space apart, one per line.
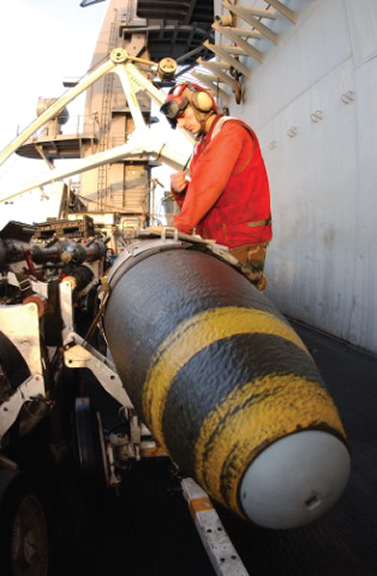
252 258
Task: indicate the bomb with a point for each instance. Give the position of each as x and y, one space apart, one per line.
225 384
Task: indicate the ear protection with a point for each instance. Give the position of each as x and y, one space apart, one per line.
179 97
201 99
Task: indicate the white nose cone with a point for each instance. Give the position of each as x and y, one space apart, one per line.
295 480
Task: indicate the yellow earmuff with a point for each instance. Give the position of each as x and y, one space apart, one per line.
202 101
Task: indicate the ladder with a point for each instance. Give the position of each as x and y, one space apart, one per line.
105 122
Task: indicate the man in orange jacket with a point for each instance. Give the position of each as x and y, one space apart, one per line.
227 198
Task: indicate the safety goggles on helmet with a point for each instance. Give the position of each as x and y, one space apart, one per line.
178 100
173 109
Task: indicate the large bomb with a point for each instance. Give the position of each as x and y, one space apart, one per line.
225 384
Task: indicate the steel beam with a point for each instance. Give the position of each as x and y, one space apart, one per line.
284 10
247 15
224 55
235 37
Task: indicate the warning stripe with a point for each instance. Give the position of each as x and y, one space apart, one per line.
194 335
249 419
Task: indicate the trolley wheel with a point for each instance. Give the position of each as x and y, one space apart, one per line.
90 442
23 529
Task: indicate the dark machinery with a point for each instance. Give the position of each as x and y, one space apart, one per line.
203 368
34 316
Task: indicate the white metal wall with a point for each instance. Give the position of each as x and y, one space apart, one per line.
313 104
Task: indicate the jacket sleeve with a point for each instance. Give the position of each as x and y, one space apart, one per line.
210 175
179 197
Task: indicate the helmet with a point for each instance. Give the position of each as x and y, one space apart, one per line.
181 96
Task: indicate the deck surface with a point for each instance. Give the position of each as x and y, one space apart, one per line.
147 531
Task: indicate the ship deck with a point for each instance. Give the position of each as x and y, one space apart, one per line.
148 530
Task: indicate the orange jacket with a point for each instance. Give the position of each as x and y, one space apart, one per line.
228 197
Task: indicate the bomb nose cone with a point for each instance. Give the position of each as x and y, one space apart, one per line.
295 480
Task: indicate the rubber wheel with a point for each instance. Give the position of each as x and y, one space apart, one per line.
23 529
91 454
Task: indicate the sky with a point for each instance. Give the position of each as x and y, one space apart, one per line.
42 43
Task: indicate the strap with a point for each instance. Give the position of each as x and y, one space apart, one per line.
256 223
219 125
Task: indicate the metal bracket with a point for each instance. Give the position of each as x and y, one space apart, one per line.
79 354
20 323
32 387
118 56
172 229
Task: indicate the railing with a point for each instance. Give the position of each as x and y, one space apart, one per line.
78 125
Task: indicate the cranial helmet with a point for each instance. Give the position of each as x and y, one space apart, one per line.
181 96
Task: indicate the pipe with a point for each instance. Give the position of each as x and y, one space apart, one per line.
225 384
68 252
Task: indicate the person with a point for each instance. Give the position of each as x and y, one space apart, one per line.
227 198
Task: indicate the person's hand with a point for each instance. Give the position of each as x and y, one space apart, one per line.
178 181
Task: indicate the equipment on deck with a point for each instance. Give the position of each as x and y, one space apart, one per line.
203 367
